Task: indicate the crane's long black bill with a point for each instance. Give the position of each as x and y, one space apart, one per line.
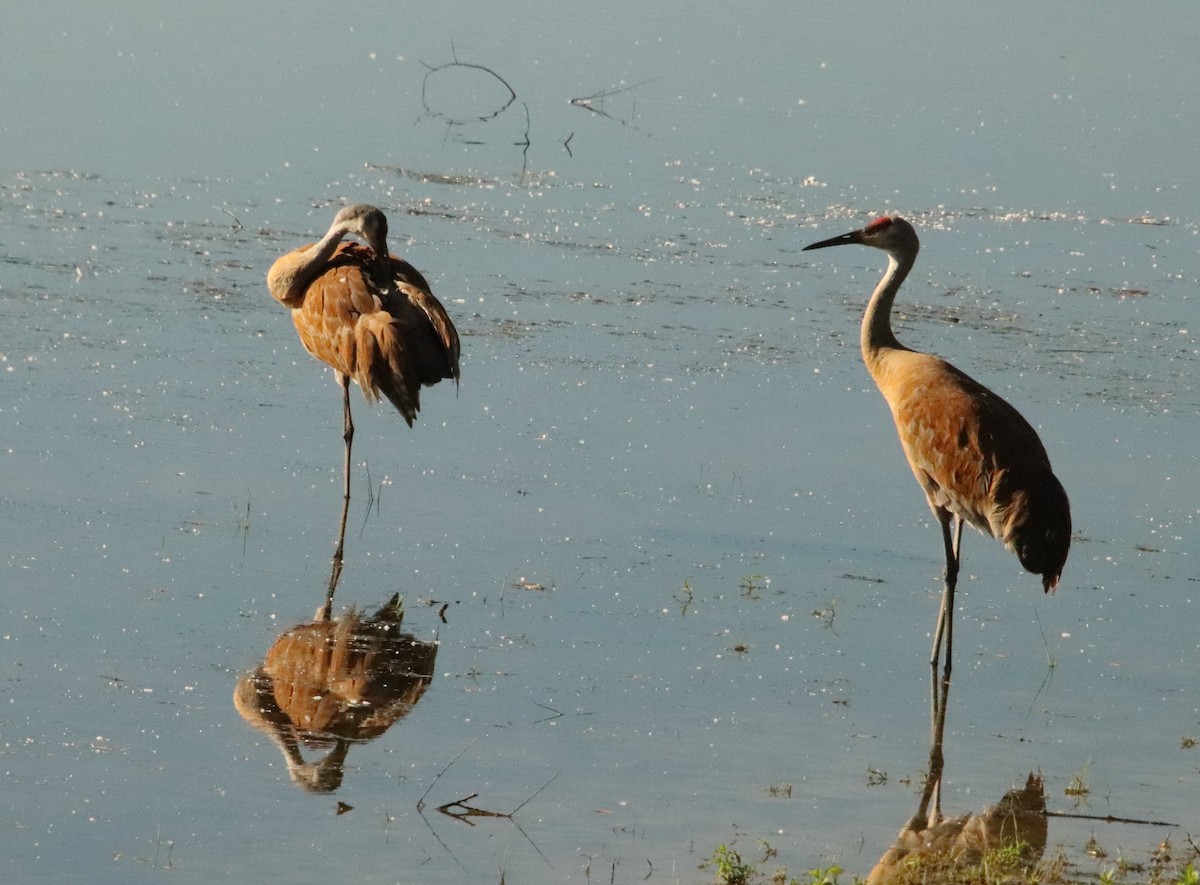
855 236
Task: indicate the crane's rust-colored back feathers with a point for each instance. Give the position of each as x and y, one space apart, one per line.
977 458
376 321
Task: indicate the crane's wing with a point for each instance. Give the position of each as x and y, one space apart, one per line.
978 458
413 286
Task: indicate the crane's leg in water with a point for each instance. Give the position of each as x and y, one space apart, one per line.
940 691
348 436
932 791
945 621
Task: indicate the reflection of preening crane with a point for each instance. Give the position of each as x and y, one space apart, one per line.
330 684
976 458
370 316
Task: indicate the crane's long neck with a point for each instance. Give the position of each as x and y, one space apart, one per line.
877 335
290 276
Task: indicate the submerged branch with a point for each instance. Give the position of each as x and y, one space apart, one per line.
595 101
1111 819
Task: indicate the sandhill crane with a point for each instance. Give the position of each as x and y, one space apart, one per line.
368 315
976 458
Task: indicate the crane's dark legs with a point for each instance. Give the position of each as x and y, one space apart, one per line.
348 436
932 794
945 623
940 692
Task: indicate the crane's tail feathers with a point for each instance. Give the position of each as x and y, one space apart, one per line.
1040 532
381 366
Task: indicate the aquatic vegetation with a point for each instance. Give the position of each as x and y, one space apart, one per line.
825 875
1078 788
751 584
1012 863
731 869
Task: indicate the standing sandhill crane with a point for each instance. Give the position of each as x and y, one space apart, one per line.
974 455
368 315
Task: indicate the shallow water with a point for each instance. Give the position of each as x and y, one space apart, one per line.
690 581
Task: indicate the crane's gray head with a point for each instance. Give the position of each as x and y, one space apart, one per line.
368 222
891 233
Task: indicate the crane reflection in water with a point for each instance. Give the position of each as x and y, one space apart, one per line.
332 683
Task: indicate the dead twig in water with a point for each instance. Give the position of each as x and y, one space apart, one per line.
373 499
421 801
433 69
158 843
468 811
465 812
1112 819
1049 665
525 144
459 117
237 225
244 526
595 102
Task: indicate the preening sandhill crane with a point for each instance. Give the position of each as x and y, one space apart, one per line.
370 316
977 459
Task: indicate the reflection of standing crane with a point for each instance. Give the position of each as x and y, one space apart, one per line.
369 316
974 455
1010 835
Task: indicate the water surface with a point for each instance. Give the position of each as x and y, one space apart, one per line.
690 579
